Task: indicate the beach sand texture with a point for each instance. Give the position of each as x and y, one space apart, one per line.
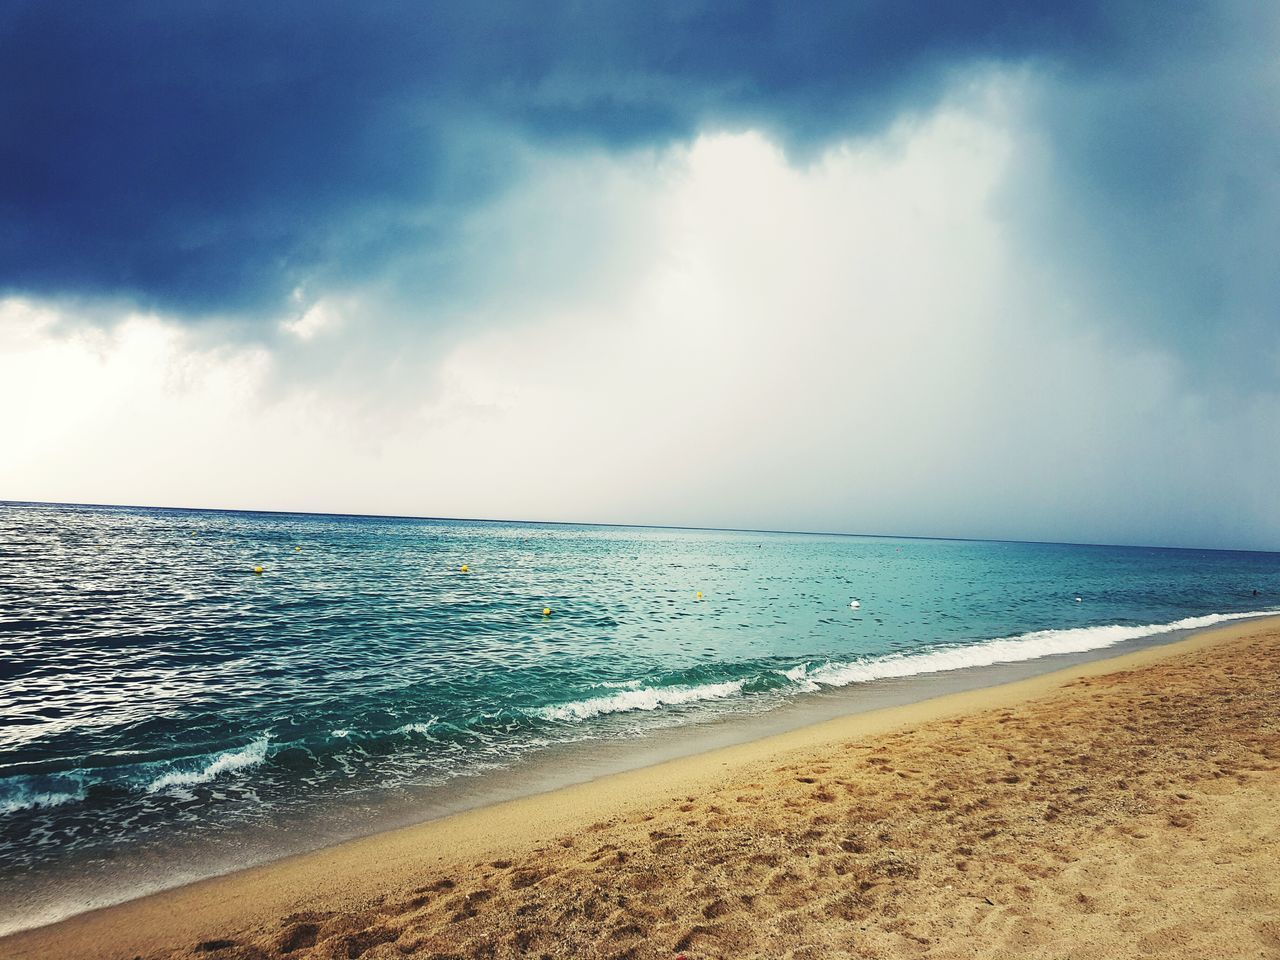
1123 808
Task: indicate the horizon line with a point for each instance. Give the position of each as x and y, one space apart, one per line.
632 526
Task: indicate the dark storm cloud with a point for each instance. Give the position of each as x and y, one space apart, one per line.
206 158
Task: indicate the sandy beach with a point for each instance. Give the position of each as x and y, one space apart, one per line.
1122 808
659 481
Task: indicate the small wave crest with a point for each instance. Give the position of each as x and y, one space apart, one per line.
799 675
647 698
226 762
24 798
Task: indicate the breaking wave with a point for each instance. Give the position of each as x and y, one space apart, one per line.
647 698
1026 646
250 756
810 676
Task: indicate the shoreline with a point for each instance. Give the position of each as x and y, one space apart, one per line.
135 876
352 874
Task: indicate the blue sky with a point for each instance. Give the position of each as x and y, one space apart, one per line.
985 270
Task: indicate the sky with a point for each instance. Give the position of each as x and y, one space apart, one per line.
1000 270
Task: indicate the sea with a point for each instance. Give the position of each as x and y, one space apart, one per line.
185 692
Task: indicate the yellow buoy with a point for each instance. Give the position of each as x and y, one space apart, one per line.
296 549
465 568
699 594
257 569
546 611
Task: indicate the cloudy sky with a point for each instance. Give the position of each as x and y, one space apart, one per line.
990 270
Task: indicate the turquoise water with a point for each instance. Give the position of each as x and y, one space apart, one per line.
155 690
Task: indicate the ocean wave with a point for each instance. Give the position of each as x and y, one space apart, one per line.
226 762
648 698
1016 649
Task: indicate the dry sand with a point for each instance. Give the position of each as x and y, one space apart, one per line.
1124 808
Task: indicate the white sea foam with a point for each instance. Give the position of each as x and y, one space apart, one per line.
231 760
648 698
1026 646
417 727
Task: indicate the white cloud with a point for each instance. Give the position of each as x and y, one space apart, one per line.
314 319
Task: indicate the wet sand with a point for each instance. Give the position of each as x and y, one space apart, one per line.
1121 808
